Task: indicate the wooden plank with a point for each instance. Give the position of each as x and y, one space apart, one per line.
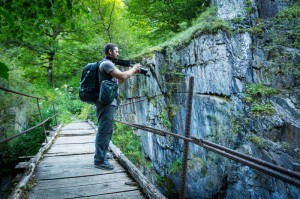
82 191
83 181
60 160
77 132
72 167
66 154
75 139
75 172
135 194
80 125
72 148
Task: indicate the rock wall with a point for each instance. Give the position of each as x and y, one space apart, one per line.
222 65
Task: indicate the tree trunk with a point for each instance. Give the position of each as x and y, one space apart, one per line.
50 67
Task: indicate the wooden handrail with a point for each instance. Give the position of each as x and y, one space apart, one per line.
19 134
19 93
38 105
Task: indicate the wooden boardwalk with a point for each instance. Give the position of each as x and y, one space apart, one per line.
67 170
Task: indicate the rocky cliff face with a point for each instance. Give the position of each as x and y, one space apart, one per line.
246 97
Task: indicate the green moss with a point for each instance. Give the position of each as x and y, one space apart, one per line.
173 109
260 89
236 20
248 6
248 98
259 143
285 145
152 100
165 118
257 30
197 163
176 166
290 13
236 124
258 96
265 109
160 180
168 184
206 23
286 27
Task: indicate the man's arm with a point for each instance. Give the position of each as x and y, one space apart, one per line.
123 76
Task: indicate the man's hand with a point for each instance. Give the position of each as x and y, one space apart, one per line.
123 76
137 68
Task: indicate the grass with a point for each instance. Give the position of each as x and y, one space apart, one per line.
206 23
265 109
129 143
258 96
258 142
287 27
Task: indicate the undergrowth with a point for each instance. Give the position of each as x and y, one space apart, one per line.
129 143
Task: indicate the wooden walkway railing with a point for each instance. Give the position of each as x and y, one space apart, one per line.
40 113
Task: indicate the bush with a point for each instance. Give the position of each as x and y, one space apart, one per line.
25 145
129 143
258 96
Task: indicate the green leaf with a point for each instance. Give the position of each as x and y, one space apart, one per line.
3 71
7 16
72 26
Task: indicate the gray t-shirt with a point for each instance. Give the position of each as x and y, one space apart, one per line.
104 69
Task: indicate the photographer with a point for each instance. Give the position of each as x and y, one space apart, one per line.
105 113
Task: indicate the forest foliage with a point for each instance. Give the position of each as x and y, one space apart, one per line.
45 44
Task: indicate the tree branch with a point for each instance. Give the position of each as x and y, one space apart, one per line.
108 26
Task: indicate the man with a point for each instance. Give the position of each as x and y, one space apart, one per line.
105 113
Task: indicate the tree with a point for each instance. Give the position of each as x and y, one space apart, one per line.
161 18
39 26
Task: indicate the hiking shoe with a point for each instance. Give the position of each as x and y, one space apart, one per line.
105 165
109 156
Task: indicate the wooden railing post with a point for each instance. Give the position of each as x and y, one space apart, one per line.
54 112
37 100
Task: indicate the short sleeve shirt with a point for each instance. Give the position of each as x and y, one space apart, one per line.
104 69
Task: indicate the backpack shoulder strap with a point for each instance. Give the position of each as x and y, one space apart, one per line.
98 65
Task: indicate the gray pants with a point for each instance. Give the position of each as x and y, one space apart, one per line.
105 115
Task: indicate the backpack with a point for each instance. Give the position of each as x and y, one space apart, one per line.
89 83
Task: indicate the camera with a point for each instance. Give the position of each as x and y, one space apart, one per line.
128 63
